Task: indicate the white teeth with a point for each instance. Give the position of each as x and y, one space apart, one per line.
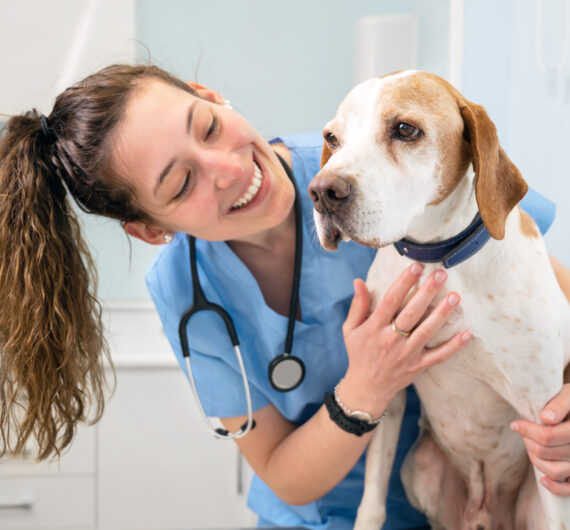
252 190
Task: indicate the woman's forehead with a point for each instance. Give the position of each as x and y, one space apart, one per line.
153 121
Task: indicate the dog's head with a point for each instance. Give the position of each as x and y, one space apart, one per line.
399 144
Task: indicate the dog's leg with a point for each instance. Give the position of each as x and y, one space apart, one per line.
432 484
379 459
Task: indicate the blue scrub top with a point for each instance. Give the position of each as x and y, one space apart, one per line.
325 295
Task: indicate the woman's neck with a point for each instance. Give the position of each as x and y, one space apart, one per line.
270 240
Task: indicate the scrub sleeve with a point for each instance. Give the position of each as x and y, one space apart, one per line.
325 295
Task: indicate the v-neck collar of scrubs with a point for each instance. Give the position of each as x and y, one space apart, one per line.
228 262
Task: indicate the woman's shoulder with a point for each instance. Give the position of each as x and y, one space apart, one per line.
305 149
170 271
307 140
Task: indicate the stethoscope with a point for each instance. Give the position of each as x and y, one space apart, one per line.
285 371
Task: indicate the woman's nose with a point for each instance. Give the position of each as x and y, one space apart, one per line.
225 168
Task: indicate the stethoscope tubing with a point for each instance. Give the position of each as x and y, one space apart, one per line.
222 433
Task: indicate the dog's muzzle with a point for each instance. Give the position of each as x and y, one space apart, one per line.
330 193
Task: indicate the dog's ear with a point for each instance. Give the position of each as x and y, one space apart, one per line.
498 183
325 154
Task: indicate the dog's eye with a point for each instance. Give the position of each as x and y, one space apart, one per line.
405 131
331 140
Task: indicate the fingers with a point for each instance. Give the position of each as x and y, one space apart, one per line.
419 303
555 471
544 435
561 489
359 307
548 449
557 408
437 318
395 296
557 452
445 351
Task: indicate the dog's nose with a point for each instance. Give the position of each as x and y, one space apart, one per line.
330 193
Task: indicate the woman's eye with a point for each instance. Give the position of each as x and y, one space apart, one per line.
405 131
184 187
213 126
331 140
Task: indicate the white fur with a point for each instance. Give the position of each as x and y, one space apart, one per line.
511 302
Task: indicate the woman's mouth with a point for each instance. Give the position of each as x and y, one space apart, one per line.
252 191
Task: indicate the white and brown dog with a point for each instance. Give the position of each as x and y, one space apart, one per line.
407 156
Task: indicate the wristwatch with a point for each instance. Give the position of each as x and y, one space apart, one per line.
355 422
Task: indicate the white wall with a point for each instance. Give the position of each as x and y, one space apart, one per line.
46 46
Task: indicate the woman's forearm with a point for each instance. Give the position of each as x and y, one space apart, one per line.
313 459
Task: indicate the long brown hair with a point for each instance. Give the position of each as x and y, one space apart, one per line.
52 347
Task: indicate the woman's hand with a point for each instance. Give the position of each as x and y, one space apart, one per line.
383 361
548 445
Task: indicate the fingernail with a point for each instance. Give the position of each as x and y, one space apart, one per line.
514 426
466 336
544 481
452 299
417 268
549 414
440 276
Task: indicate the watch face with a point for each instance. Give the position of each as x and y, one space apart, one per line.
362 416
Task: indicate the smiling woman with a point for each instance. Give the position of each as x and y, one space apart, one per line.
201 168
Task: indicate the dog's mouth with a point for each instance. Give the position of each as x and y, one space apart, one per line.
329 234
332 230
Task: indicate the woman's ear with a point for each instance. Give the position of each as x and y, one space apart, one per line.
148 233
207 93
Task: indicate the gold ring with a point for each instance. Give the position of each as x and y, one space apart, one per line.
400 331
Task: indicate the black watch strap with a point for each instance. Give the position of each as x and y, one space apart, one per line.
351 425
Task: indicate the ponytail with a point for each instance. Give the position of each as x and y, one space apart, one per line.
51 335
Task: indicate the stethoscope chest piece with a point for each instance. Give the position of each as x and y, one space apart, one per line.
286 372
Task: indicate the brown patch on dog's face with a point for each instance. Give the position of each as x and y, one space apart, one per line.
431 104
454 149
528 226
325 154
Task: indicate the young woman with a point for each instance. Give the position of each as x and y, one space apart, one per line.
169 160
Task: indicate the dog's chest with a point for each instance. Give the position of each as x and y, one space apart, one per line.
515 350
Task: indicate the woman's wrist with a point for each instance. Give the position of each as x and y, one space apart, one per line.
355 413
354 397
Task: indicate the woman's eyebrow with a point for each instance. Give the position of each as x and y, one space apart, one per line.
168 166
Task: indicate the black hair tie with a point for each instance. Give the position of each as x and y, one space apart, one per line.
47 131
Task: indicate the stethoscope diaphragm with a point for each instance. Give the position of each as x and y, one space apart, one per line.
286 372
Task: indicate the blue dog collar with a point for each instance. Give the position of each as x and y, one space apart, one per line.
450 252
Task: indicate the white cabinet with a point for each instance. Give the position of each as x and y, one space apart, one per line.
54 495
150 463
158 465
51 501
